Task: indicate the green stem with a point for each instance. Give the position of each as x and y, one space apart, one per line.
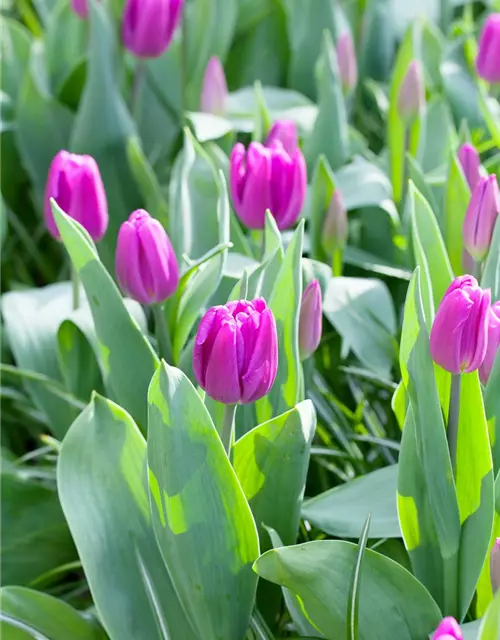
337 262
139 75
476 270
75 280
227 429
162 334
453 415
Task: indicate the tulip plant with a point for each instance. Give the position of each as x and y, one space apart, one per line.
250 320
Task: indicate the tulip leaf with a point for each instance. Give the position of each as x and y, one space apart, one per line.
105 137
101 480
491 273
284 301
490 625
438 136
330 134
323 187
201 517
32 614
433 259
457 197
128 357
342 511
315 570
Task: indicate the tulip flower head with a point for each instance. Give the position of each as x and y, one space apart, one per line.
348 68
75 183
284 131
487 63
335 225
471 164
149 25
267 177
448 629
80 7
459 333
146 266
481 217
492 348
411 97
310 320
214 90
235 356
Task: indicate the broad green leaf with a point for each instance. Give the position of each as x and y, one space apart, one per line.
489 110
379 41
271 464
457 197
242 104
102 487
390 597
438 136
35 536
490 626
32 318
491 273
330 134
127 356
323 187
28 614
362 311
353 599
103 125
435 259
284 302
202 520
484 592
15 55
342 511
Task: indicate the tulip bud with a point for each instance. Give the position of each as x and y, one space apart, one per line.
267 178
335 225
481 217
411 97
75 183
149 25
448 629
80 7
459 333
491 352
285 132
214 90
235 356
495 566
471 164
487 64
146 266
310 320
347 62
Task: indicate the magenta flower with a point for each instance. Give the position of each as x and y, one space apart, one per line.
235 357
146 266
348 68
149 25
214 90
284 131
481 217
459 333
492 348
411 97
335 225
495 566
487 64
267 178
75 183
310 320
448 629
471 164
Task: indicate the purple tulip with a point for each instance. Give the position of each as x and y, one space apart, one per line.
335 225
491 352
348 68
495 566
310 320
481 217
80 7
284 131
487 63
75 183
235 357
471 164
146 266
214 90
267 178
149 25
448 629
459 334
411 97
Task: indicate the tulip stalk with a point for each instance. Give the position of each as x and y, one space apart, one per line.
453 415
162 333
138 83
75 281
227 429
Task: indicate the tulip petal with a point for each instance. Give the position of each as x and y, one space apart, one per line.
205 337
298 191
447 329
256 196
261 371
221 378
158 266
128 270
